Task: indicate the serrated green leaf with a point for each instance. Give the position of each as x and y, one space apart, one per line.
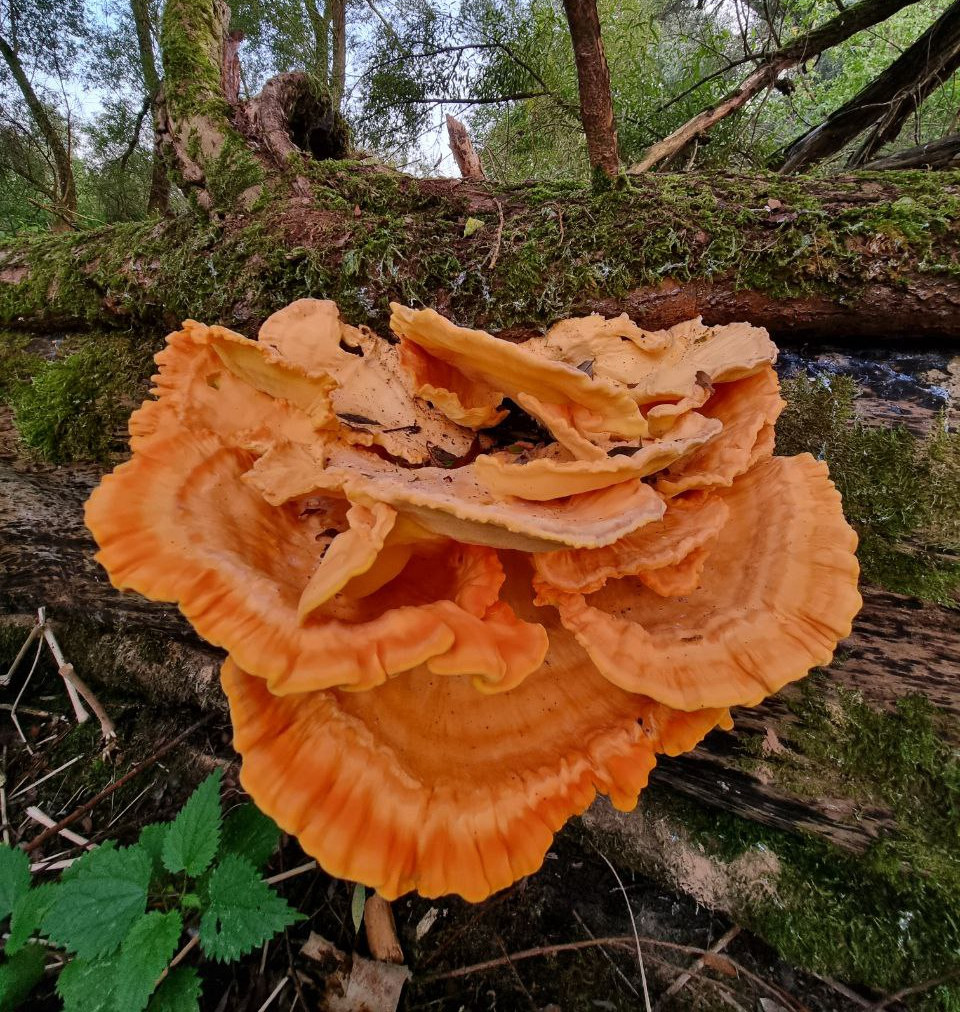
152 838
179 992
144 955
14 877
88 985
89 859
251 834
357 904
243 912
93 911
28 913
472 225
19 975
194 834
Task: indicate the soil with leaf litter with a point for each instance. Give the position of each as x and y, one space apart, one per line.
562 939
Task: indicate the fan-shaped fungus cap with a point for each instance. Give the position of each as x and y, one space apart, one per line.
344 541
514 370
423 784
778 592
455 503
548 477
177 523
747 410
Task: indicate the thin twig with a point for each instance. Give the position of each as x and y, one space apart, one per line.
23 689
52 773
72 689
21 653
913 989
40 816
78 813
636 934
688 975
292 873
609 958
274 994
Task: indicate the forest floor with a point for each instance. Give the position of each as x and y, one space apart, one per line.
560 939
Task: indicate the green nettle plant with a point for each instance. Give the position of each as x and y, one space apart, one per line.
120 913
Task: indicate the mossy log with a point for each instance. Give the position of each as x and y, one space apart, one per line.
863 256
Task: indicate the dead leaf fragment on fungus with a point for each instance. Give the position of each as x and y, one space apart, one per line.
437 655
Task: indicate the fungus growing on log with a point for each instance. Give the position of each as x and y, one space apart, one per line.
456 636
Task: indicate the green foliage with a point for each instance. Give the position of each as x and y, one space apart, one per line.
251 834
242 912
19 975
103 897
120 914
901 492
14 878
178 992
75 407
192 839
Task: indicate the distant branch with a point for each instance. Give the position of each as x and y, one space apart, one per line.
884 103
847 23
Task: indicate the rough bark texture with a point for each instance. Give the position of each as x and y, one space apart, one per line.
464 153
593 76
885 103
851 20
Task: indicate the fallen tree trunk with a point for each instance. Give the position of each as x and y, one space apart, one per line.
870 256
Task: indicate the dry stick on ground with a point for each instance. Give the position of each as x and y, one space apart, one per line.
75 684
616 941
464 153
688 975
853 19
593 76
905 992
381 930
924 66
78 813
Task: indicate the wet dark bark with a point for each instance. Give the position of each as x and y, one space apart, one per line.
941 154
851 20
884 104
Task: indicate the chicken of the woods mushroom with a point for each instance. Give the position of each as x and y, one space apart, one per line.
465 584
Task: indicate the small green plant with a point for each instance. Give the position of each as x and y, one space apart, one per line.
119 913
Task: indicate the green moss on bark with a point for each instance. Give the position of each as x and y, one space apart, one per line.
885 919
900 491
372 236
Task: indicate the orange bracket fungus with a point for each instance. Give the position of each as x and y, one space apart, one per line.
466 584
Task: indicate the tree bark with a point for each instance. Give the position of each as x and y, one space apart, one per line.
849 22
464 153
159 198
66 187
593 76
809 258
941 154
885 103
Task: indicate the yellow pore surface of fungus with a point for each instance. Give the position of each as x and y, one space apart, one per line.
465 584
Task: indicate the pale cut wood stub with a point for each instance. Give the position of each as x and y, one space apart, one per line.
464 153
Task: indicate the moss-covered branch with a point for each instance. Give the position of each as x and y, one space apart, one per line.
872 255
